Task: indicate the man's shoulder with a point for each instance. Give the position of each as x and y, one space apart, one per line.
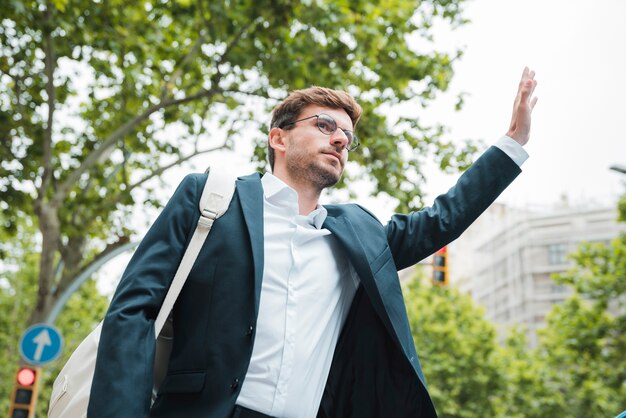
252 176
200 178
350 210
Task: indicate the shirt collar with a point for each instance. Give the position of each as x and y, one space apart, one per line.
277 191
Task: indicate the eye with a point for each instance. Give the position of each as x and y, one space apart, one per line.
326 124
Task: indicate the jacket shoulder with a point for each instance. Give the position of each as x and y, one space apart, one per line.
353 211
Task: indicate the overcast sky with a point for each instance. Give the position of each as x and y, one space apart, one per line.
578 49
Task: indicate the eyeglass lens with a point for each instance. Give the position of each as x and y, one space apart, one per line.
328 126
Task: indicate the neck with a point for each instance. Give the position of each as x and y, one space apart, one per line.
308 195
307 200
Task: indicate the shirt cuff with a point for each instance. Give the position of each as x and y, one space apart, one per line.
513 149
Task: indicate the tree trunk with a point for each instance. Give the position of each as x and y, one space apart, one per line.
49 226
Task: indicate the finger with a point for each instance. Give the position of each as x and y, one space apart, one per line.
531 74
523 79
533 102
533 89
526 90
525 73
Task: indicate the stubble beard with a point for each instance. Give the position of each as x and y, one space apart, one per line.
312 172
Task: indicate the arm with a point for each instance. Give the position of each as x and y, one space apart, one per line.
122 381
414 236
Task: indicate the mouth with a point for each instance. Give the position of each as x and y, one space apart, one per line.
334 154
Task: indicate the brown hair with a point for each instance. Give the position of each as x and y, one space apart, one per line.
290 108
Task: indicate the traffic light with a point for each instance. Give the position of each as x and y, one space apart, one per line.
440 267
24 397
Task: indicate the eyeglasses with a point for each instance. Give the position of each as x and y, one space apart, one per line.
328 126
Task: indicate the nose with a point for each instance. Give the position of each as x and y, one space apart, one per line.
339 139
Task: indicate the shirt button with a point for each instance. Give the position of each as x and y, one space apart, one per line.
250 330
235 384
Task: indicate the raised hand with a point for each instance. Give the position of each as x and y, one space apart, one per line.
523 108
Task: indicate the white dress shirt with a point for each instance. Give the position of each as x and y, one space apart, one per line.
308 287
511 148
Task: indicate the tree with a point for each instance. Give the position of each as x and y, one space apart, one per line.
18 293
469 374
457 349
531 390
585 338
97 99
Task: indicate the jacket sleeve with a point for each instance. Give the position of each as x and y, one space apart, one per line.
122 382
416 235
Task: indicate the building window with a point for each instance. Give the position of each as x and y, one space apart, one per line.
559 288
542 284
557 254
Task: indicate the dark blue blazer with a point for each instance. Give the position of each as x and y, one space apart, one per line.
375 370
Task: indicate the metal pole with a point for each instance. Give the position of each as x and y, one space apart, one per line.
619 168
62 300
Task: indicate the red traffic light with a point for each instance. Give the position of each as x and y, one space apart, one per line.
24 397
26 376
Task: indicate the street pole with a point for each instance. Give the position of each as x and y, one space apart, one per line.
619 168
62 300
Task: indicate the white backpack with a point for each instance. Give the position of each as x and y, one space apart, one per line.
72 387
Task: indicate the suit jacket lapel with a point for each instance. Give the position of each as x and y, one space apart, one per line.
250 193
342 229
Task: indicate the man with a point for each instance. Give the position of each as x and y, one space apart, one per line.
292 309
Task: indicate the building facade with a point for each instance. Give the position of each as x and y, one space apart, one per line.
506 258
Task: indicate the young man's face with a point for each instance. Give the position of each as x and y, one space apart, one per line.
312 155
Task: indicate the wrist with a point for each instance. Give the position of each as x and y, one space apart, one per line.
513 149
517 137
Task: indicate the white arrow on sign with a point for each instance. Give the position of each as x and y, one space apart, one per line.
42 340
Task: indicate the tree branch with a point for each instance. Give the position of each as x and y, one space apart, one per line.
215 79
114 200
72 254
67 279
49 65
17 80
181 160
169 86
237 38
259 94
95 155
117 135
199 95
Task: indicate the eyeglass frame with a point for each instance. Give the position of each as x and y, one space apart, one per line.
353 144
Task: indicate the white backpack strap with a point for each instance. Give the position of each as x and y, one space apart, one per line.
216 196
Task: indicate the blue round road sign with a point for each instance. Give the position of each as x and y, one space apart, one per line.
40 344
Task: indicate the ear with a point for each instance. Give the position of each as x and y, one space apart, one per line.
276 139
